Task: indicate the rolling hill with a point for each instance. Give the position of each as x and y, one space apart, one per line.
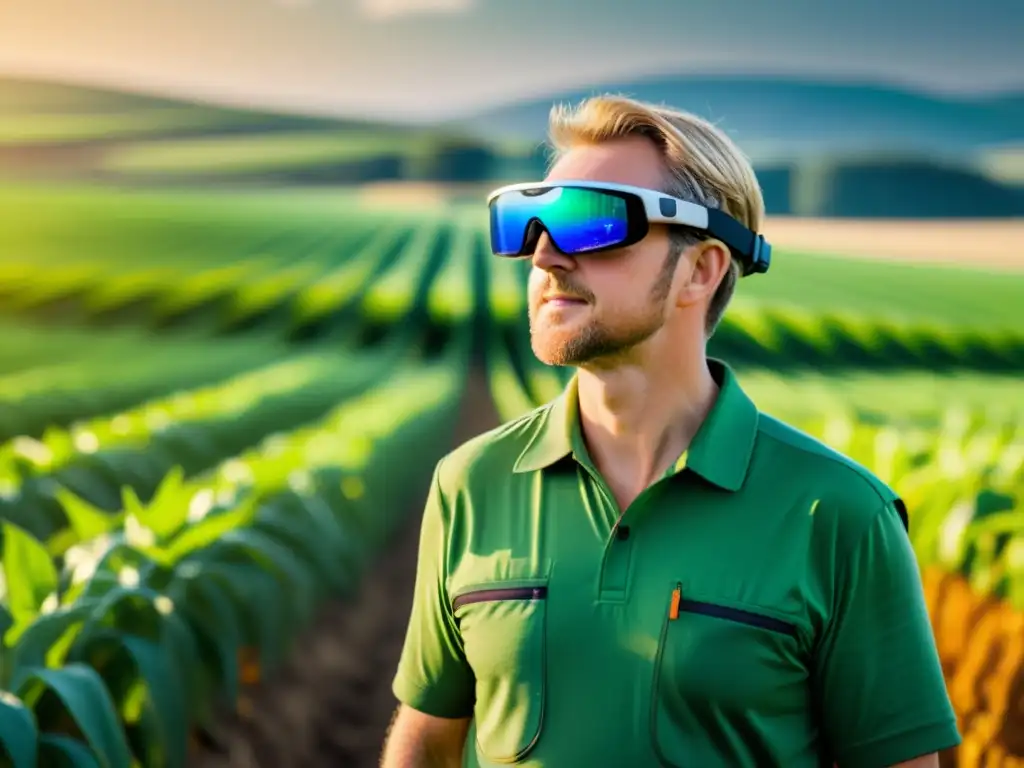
52 130
34 113
776 118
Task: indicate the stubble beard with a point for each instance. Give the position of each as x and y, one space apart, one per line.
594 341
597 340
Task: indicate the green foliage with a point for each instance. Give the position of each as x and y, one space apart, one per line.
127 632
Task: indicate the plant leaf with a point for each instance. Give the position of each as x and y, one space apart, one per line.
140 618
296 528
86 699
167 511
42 635
65 752
140 672
97 585
6 622
127 609
209 530
214 620
87 520
30 573
18 733
261 548
195 682
264 601
131 504
155 666
346 549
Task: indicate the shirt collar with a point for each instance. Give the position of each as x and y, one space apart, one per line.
720 452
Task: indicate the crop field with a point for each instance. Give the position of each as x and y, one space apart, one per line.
219 412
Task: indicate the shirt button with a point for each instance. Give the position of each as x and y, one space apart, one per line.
622 532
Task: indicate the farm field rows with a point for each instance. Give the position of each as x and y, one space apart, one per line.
208 405
295 264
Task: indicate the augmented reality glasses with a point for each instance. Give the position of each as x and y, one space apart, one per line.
583 217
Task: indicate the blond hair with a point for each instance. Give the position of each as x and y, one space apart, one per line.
704 165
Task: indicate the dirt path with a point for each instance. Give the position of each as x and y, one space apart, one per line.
993 244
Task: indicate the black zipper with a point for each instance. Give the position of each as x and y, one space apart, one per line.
714 610
506 593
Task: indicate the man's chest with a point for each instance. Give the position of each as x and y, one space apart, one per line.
675 616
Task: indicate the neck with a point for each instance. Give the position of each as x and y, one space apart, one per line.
638 418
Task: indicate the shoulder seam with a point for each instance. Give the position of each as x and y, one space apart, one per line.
838 459
872 521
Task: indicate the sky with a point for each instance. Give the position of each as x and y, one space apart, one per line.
431 59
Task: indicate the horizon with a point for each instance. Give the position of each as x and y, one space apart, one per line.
212 101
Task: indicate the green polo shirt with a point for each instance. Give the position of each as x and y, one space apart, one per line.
760 605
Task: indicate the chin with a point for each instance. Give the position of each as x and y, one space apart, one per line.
558 348
548 349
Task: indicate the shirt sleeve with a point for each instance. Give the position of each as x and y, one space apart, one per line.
433 674
878 676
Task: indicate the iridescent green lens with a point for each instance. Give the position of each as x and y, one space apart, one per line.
576 218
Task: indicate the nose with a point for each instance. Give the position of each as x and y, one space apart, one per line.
549 258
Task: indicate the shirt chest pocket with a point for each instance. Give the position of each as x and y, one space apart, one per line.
503 628
718 662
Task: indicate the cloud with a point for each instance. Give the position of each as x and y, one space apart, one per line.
383 10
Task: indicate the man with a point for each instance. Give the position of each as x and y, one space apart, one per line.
648 571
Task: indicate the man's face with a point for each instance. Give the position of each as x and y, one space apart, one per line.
601 306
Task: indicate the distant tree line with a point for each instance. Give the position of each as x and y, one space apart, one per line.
872 187
907 188
897 187
869 188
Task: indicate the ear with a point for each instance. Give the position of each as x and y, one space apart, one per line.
710 259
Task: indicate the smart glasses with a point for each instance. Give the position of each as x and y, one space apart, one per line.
584 217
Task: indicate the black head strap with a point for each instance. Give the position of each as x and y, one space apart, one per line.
753 251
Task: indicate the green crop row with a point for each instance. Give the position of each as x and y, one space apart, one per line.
302 267
378 269
191 428
53 377
126 629
256 153
766 334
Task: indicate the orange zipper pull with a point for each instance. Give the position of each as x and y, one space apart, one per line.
673 609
